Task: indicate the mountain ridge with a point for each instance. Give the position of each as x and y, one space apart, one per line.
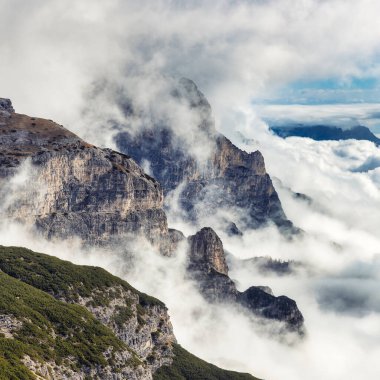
52 302
229 178
326 132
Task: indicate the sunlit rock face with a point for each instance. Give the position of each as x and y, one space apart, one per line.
207 252
67 187
208 267
223 177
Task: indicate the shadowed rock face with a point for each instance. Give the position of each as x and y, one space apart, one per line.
228 178
208 267
265 304
72 188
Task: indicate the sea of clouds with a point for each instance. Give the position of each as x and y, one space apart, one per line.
54 54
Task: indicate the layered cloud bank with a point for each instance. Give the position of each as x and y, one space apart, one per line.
342 115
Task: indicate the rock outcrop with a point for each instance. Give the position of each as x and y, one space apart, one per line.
207 252
71 188
6 108
227 178
207 265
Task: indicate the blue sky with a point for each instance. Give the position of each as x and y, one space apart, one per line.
328 91
332 101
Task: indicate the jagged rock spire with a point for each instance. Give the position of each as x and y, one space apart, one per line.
207 251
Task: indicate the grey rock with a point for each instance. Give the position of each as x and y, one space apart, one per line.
147 330
175 238
76 189
206 252
228 178
233 230
6 108
267 265
208 267
262 302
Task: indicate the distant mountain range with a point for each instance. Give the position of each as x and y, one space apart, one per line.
326 132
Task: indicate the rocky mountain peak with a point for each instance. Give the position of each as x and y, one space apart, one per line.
6 107
76 189
189 89
206 251
226 178
188 92
207 265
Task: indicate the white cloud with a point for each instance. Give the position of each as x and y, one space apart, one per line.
234 50
53 51
344 115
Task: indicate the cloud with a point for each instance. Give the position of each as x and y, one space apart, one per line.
53 56
342 279
235 51
371 163
342 115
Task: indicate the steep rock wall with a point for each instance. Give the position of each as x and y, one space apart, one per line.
227 178
71 188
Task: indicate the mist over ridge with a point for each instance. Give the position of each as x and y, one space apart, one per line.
200 153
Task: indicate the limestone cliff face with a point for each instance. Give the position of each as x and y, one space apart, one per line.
145 328
207 252
228 177
72 188
207 265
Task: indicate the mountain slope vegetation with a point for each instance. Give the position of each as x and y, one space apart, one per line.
47 332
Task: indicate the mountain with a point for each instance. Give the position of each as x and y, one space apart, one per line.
207 265
65 187
64 321
326 132
73 188
226 177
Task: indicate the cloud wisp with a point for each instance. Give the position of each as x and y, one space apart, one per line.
235 51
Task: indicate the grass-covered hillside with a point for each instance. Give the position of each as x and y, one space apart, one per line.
37 327
186 366
62 278
50 331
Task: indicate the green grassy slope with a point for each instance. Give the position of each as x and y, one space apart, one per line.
51 331
26 278
186 366
60 277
